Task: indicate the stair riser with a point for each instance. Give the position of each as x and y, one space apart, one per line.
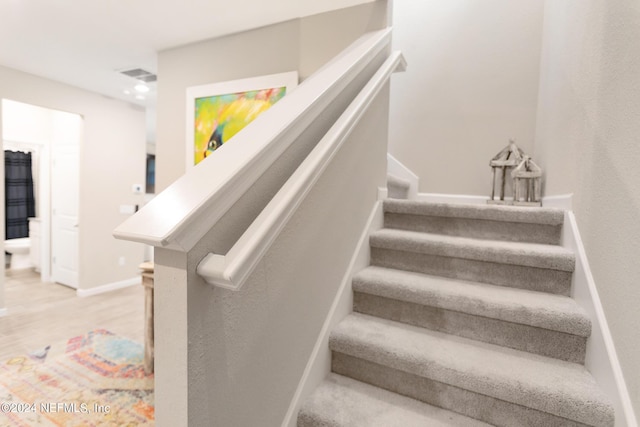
476 228
493 411
516 276
520 337
513 253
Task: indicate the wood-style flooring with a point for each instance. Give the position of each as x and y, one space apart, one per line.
40 313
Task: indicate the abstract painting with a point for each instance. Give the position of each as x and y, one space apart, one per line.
217 112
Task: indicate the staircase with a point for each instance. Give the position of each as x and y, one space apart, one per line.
463 318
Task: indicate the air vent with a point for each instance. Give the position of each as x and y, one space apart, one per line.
140 74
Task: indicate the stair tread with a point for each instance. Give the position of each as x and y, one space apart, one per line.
342 401
547 216
560 388
543 310
517 253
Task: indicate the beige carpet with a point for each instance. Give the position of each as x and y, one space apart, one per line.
463 318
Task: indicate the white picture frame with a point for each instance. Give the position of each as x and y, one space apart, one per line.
212 93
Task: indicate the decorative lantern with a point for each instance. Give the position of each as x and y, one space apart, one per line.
526 183
510 157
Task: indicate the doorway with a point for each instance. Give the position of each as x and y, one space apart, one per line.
53 137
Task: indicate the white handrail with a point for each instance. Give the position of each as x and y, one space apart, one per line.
231 270
182 214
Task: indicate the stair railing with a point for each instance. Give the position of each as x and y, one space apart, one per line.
231 270
216 222
182 214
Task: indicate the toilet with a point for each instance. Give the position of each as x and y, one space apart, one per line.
19 250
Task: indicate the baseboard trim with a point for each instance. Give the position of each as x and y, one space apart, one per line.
3 312
319 364
602 359
108 287
394 167
561 201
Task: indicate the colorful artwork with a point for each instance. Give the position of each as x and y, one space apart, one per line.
218 118
218 111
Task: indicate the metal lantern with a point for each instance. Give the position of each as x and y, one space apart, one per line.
526 183
510 157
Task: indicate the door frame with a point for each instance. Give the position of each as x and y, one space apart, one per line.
44 192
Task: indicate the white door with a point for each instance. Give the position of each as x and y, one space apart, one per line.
65 189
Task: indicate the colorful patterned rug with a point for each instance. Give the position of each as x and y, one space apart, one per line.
97 379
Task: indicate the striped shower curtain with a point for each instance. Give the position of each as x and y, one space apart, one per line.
18 194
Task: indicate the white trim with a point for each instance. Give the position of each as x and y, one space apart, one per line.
602 359
562 201
108 287
395 168
383 193
230 271
390 13
3 312
289 80
178 217
319 364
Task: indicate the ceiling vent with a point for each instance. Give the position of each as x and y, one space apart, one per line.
140 74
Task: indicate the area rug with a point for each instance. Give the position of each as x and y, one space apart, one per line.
97 379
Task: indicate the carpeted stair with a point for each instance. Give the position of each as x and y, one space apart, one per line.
463 318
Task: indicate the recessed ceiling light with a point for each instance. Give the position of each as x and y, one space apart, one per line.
127 92
141 88
140 97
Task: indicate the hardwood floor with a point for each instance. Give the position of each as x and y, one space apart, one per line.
40 313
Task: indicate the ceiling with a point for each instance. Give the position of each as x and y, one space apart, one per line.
85 43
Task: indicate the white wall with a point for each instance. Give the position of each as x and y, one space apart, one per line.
323 36
471 84
302 45
588 143
112 159
26 123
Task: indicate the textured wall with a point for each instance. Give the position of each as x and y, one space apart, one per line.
588 142
248 349
471 84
